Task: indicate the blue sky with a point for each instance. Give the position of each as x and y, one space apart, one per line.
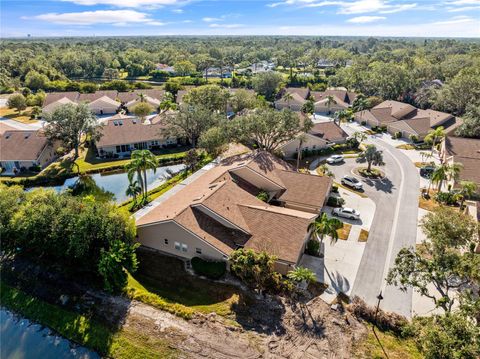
450 18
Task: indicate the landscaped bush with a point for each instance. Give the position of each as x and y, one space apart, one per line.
448 198
385 321
334 188
335 201
397 135
209 269
313 247
373 173
363 123
35 168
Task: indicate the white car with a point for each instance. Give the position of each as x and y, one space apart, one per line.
335 159
352 182
346 212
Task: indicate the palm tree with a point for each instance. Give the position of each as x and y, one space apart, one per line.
287 97
359 136
300 274
468 189
360 103
326 171
372 156
330 101
142 160
434 136
142 97
133 190
439 175
453 172
324 225
301 139
342 116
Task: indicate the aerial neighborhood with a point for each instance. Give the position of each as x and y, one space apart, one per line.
187 197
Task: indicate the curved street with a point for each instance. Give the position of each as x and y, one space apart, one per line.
394 225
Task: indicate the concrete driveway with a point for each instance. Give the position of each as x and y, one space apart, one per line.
393 227
22 126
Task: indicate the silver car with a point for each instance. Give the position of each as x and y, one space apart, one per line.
335 159
346 212
352 182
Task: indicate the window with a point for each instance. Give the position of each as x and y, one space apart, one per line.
198 250
177 246
166 241
184 247
118 149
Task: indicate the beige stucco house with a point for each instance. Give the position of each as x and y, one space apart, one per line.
218 212
321 135
20 149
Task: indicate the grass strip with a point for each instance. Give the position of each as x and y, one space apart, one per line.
125 343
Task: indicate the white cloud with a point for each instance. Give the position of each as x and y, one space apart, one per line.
128 3
365 19
463 8
352 7
456 20
118 17
178 11
226 26
464 2
212 19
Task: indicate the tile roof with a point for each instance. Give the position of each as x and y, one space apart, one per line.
20 145
90 97
128 130
257 224
467 152
341 96
328 130
53 105
55 96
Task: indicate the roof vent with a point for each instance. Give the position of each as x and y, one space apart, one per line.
120 123
7 136
27 136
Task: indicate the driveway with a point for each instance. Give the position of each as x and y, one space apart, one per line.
22 126
394 225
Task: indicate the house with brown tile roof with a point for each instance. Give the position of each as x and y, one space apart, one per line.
52 106
22 149
465 151
90 97
55 96
219 211
321 135
403 118
342 99
122 134
298 98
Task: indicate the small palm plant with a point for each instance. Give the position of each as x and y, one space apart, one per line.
434 136
133 190
287 98
325 226
330 101
372 156
439 175
301 274
468 189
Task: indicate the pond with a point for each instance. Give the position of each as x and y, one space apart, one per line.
117 183
22 339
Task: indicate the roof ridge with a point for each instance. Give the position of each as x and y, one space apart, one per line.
271 209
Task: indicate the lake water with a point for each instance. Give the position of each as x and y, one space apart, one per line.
22 339
117 183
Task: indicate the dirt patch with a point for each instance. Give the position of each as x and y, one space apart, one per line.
363 235
344 231
266 328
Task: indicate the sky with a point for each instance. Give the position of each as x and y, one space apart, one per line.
404 18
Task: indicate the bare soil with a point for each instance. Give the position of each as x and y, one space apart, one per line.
267 328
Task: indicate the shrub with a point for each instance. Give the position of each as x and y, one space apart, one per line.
209 269
313 247
334 188
363 123
263 196
385 321
448 198
335 201
397 135
413 138
35 168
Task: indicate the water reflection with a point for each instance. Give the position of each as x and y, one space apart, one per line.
108 185
21 339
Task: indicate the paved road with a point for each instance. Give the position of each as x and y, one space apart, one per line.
394 226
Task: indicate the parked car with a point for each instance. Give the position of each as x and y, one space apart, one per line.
352 182
426 171
334 159
346 212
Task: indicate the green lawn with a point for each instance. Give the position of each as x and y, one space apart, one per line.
125 343
88 162
396 348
